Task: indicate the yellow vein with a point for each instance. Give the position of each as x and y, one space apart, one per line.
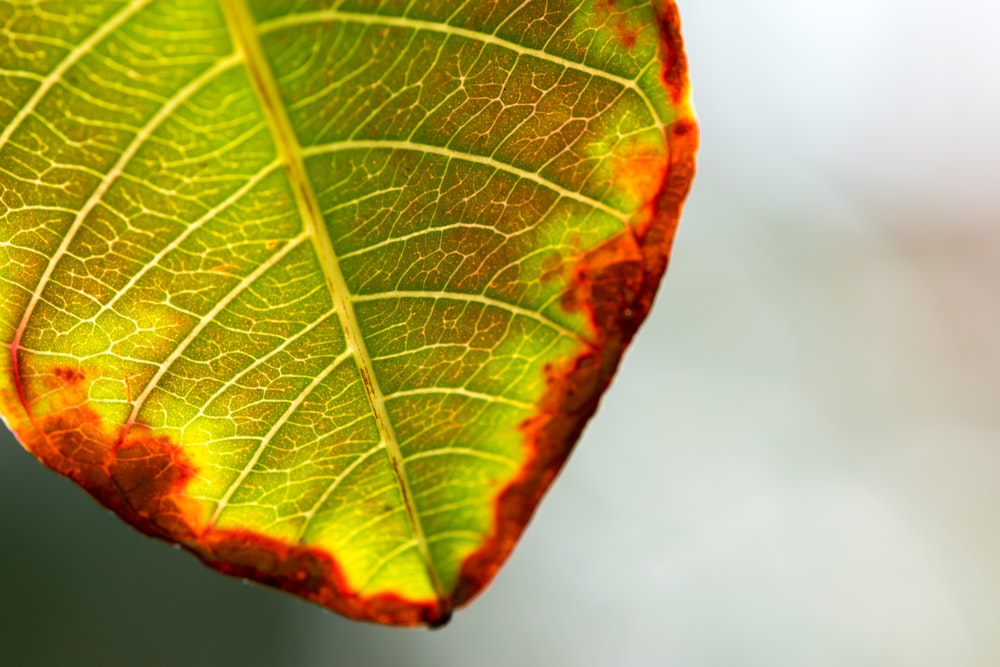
368 525
464 347
475 298
463 392
277 426
466 451
244 32
386 144
328 15
70 356
383 561
53 77
392 240
460 534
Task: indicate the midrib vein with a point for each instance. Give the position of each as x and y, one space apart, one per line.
243 29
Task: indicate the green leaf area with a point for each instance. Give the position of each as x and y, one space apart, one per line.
325 290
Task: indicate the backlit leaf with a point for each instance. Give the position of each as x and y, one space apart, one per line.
325 290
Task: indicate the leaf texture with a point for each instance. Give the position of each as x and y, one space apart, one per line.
325 291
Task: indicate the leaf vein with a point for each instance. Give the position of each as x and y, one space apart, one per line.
386 144
475 298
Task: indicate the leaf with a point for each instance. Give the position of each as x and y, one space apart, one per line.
325 292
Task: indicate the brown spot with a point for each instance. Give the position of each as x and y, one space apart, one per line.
626 34
614 285
609 14
142 476
561 265
683 128
552 267
67 375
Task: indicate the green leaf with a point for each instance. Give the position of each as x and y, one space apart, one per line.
325 291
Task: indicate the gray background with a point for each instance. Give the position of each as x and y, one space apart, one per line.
798 463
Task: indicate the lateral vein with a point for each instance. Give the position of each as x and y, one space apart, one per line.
386 144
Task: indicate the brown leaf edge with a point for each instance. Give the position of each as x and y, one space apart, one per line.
142 476
614 284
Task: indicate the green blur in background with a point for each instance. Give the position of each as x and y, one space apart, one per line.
799 462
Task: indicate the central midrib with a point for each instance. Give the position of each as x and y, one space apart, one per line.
244 31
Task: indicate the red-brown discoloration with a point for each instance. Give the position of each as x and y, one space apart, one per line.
610 15
614 285
308 572
626 34
67 375
142 477
674 70
638 171
224 268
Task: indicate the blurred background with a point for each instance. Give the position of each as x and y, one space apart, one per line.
799 462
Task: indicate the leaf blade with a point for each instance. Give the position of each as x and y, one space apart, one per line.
351 328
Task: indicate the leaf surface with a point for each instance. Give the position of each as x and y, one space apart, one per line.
326 291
